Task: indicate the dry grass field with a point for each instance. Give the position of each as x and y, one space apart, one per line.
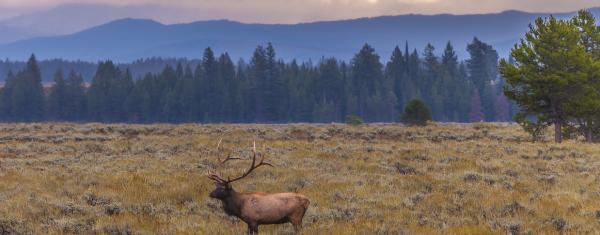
372 179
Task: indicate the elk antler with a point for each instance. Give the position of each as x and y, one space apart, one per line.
217 176
228 155
252 167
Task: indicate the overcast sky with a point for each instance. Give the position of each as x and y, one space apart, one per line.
293 11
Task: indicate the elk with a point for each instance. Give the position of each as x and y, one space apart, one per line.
257 208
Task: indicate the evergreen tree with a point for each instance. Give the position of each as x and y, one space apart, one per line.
584 105
258 85
175 104
367 76
138 102
6 97
476 114
396 71
275 88
549 63
416 113
98 97
452 86
27 94
483 70
328 89
232 99
75 103
502 108
58 98
120 87
450 60
211 87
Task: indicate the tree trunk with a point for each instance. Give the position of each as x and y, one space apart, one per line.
589 137
557 131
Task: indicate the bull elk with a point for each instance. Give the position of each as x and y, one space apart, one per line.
258 208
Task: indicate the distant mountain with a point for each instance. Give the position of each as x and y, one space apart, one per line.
12 34
71 18
129 39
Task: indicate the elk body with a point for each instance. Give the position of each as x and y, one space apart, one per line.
258 208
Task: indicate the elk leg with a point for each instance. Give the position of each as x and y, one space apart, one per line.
296 219
297 227
252 228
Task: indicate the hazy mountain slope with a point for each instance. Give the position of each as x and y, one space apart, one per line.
129 39
74 17
11 34
71 18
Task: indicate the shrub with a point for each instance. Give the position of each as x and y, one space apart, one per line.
354 120
416 113
535 128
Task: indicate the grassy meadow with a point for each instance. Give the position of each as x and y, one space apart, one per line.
371 179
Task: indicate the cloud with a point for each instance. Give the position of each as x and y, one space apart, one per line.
292 11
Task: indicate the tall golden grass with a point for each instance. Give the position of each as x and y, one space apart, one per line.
371 179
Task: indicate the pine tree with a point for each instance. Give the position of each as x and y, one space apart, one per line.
430 68
502 108
395 70
174 104
450 60
58 98
416 113
367 76
483 63
584 106
328 90
138 102
120 87
483 71
6 97
549 63
258 108
476 114
275 88
75 104
488 99
27 94
230 90
209 86
98 97
452 85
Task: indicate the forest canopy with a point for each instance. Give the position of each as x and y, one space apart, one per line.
265 89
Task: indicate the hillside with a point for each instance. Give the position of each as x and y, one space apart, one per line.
70 18
129 39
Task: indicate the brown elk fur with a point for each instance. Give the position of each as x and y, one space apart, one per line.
259 208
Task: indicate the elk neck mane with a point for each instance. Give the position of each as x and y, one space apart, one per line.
232 204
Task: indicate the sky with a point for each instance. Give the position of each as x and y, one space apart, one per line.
295 11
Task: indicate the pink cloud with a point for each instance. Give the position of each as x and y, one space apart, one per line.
293 11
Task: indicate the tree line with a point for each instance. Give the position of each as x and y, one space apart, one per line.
87 69
266 89
555 77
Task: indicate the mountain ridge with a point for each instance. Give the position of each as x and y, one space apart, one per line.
128 39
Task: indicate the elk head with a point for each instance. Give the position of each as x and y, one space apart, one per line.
223 186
